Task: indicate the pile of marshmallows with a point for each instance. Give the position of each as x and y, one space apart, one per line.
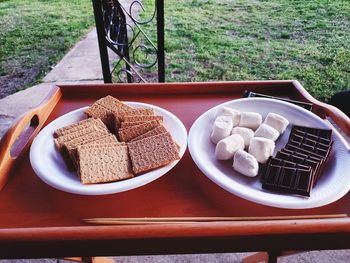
233 131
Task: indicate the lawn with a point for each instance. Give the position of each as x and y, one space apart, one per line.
35 35
205 40
209 40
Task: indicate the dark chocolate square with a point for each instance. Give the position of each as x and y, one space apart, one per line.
324 133
311 137
272 175
303 151
286 179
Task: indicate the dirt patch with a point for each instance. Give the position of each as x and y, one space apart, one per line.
18 80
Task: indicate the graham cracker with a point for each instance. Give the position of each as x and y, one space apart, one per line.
104 108
98 112
105 140
157 130
127 134
126 124
74 127
119 114
152 152
112 104
101 164
134 118
69 147
78 131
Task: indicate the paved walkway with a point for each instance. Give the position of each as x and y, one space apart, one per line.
82 65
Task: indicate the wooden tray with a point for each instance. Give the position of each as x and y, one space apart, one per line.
39 221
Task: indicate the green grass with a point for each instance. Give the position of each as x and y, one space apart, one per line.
205 40
209 40
37 34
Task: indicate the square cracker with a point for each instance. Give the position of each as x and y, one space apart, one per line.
104 109
157 130
112 103
127 134
152 152
78 131
98 112
100 164
119 114
68 148
105 140
76 127
134 118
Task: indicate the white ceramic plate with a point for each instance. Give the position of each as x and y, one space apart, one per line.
48 164
333 183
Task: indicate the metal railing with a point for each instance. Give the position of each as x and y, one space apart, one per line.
119 29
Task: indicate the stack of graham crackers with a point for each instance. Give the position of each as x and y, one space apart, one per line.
116 142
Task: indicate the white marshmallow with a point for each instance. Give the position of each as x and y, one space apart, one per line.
267 132
226 148
261 148
246 133
234 114
276 121
250 120
245 163
221 129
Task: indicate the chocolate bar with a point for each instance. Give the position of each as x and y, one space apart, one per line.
297 167
280 162
304 135
288 179
312 143
311 140
311 159
324 133
302 160
250 94
302 155
303 151
320 149
284 163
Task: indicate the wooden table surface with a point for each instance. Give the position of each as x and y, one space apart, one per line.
39 221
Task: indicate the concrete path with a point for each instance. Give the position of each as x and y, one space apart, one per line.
82 65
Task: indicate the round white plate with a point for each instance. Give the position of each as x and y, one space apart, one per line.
48 164
333 183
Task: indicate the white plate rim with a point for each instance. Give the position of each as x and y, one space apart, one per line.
113 187
296 202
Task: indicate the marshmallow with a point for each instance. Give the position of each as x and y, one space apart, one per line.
234 114
246 134
276 121
245 163
261 148
226 148
250 120
267 132
221 129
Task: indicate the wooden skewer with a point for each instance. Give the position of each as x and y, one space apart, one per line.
177 220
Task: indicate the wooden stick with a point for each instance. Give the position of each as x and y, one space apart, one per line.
177 220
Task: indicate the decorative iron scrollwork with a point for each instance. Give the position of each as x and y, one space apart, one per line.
125 35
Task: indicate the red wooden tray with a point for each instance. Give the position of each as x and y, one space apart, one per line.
38 221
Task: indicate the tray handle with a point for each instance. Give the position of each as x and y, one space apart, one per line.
323 110
19 136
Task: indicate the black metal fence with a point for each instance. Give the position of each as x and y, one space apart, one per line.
118 29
